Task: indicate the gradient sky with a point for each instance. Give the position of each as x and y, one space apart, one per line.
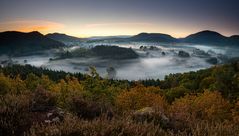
85 18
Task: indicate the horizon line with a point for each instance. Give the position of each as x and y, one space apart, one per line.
115 35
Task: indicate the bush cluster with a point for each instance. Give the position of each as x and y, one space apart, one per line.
102 107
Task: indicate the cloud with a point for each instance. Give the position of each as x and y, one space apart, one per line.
30 25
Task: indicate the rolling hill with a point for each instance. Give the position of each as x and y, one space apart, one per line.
206 37
211 38
16 43
154 37
66 39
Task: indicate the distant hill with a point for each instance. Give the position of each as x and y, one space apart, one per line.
16 43
114 52
155 37
102 51
206 37
142 37
234 39
108 37
210 38
66 39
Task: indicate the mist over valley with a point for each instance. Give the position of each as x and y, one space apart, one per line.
144 56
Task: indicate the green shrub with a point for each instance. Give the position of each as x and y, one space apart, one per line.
5 84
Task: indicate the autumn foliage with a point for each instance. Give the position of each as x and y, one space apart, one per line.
195 103
139 97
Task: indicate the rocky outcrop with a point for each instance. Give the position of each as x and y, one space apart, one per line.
150 114
149 48
183 54
212 60
54 116
200 53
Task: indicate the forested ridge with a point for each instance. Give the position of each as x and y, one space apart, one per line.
36 101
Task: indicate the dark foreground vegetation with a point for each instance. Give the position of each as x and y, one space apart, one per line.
39 102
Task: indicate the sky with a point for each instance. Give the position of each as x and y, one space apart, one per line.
85 18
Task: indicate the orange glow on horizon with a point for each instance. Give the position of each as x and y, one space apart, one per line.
30 25
98 29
